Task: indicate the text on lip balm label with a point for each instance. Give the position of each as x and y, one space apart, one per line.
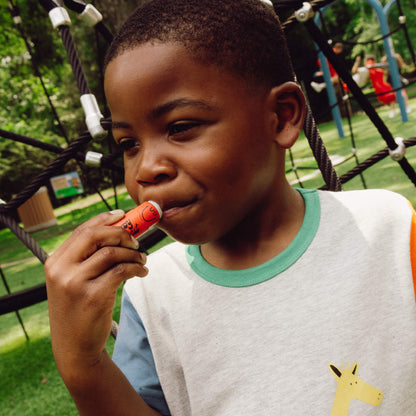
142 222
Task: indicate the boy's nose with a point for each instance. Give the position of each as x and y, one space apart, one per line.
153 168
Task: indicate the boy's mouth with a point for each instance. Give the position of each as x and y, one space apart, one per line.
172 208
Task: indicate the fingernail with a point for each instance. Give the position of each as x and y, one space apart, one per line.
117 212
144 259
135 242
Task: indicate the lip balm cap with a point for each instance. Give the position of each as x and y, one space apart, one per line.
157 206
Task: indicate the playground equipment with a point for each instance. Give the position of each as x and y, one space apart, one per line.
98 126
382 14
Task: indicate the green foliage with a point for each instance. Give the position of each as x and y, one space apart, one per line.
36 49
24 107
399 39
357 21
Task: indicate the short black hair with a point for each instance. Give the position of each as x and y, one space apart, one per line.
242 36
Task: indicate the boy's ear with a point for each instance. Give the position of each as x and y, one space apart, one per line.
288 104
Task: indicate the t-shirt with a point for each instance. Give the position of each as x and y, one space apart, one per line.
327 327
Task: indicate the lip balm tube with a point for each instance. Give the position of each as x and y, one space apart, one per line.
141 218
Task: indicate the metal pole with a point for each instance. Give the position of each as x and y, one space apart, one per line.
336 114
3 278
388 46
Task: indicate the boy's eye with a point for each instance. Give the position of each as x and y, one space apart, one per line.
128 144
181 127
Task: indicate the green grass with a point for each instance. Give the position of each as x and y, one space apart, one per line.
30 383
385 174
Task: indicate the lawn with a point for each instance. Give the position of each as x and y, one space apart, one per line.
30 384
386 174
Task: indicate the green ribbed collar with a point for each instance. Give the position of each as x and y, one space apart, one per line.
270 269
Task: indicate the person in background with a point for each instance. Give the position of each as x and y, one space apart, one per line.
321 85
382 88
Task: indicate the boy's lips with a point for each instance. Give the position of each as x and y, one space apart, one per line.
171 208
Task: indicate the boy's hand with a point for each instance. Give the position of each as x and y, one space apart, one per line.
82 278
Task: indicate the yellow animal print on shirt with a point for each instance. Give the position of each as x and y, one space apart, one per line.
350 386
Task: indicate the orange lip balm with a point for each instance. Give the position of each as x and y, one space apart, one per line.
141 218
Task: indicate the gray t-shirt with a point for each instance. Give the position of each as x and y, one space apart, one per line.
327 325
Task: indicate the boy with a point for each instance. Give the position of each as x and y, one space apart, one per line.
269 289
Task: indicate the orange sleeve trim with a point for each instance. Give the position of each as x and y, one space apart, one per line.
413 249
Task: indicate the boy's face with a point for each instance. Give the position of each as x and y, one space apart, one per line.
195 140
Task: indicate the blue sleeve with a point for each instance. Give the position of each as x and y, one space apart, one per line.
133 356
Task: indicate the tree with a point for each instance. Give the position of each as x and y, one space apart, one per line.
116 12
35 48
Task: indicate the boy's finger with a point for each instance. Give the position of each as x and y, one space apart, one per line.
119 262
94 239
105 218
85 241
119 273
109 257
